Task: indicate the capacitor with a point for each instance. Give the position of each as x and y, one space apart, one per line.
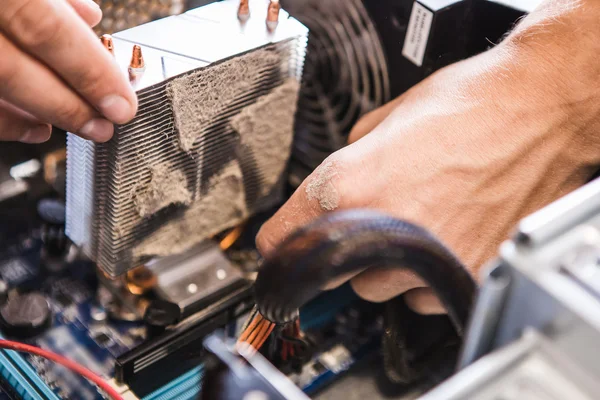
56 243
159 315
25 315
4 288
52 214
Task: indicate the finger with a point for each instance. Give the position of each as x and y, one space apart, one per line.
369 121
424 301
52 32
382 284
88 10
53 102
15 126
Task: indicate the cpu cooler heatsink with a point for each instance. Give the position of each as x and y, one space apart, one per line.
210 142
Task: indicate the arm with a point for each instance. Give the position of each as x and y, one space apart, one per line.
472 149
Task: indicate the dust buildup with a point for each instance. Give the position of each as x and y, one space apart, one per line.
223 206
267 127
201 97
321 187
167 186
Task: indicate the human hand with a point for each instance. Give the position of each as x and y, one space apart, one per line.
471 150
54 71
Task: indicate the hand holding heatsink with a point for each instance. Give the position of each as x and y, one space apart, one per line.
208 146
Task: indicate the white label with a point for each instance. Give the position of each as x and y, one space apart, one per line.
417 35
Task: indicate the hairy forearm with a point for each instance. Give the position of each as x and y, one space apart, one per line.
545 75
561 39
522 128
473 148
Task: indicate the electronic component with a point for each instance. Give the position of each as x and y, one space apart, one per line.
159 315
64 362
337 359
12 189
184 387
52 213
190 164
158 361
196 278
25 315
55 169
232 375
3 291
23 378
102 339
83 332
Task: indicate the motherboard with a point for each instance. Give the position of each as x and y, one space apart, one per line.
55 298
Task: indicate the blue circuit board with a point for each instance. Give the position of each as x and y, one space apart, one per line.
81 331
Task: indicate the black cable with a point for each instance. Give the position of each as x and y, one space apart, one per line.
348 242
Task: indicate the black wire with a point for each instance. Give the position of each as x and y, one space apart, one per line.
344 242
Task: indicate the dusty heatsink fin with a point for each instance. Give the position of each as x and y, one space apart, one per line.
207 149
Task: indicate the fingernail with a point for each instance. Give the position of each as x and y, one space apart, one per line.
116 109
98 130
37 134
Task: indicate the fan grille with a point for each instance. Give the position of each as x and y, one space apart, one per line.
346 76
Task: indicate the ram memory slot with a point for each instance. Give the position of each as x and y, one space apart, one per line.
23 378
186 387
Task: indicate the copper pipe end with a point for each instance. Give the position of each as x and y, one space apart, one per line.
107 42
244 10
137 60
273 15
140 280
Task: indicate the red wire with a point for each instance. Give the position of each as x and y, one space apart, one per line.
72 365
